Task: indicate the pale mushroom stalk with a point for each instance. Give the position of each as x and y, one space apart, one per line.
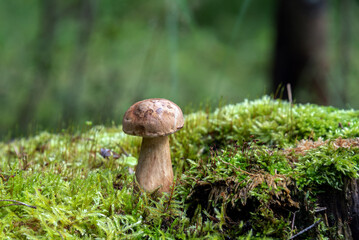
154 169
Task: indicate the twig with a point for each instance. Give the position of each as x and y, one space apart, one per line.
124 151
16 203
320 209
307 229
293 220
60 234
290 98
289 90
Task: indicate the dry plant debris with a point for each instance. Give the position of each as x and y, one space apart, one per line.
305 145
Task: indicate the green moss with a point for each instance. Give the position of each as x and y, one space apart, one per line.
236 176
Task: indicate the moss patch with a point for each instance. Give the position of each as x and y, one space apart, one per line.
258 169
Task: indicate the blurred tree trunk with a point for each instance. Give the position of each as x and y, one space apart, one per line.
344 47
84 13
300 50
42 62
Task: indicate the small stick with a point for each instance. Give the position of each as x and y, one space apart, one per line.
289 90
290 98
293 220
307 229
60 234
124 151
320 209
16 203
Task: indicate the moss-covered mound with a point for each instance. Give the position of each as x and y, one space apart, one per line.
258 169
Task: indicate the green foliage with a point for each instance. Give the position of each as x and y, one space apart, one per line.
238 175
97 64
82 60
326 166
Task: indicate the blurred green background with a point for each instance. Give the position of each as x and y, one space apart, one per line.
65 62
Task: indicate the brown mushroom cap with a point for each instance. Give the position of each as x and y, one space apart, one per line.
153 118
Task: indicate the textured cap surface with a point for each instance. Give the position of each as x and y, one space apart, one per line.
153 118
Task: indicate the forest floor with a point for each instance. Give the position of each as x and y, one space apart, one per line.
262 169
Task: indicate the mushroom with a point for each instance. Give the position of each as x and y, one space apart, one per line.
154 119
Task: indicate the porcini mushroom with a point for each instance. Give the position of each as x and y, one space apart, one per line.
154 119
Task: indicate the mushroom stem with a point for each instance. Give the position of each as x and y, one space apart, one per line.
154 167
